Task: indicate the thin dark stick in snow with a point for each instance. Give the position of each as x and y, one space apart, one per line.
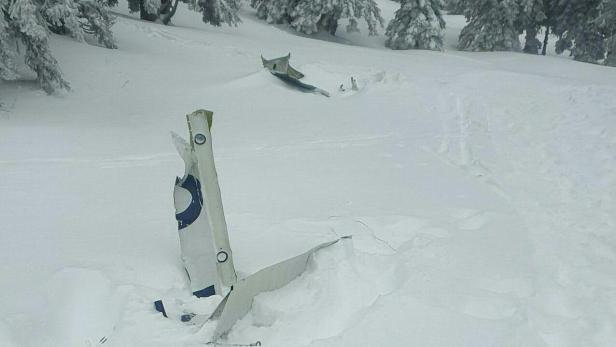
545 40
374 235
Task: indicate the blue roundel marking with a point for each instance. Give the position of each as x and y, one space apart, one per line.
192 212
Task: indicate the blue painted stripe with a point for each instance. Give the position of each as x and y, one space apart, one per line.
295 82
158 305
203 293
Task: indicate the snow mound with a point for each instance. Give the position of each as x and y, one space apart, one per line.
339 283
84 306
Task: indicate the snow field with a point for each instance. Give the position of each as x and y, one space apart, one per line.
479 190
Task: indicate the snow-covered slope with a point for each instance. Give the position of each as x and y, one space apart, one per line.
480 190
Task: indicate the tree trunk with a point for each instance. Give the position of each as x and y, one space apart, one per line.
329 23
208 8
165 16
531 45
545 40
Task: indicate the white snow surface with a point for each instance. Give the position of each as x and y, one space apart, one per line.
480 190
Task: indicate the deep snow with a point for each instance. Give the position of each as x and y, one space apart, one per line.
480 190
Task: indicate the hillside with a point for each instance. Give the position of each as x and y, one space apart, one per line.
480 190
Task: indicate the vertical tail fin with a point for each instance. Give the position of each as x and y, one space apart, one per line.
202 228
199 123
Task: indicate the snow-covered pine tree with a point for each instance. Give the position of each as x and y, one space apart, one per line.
550 10
454 6
153 10
148 9
607 21
8 54
610 57
492 25
24 34
579 30
214 12
80 17
274 11
532 18
62 17
418 24
23 24
97 21
311 16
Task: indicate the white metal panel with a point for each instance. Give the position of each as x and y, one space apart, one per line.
197 246
239 300
201 142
